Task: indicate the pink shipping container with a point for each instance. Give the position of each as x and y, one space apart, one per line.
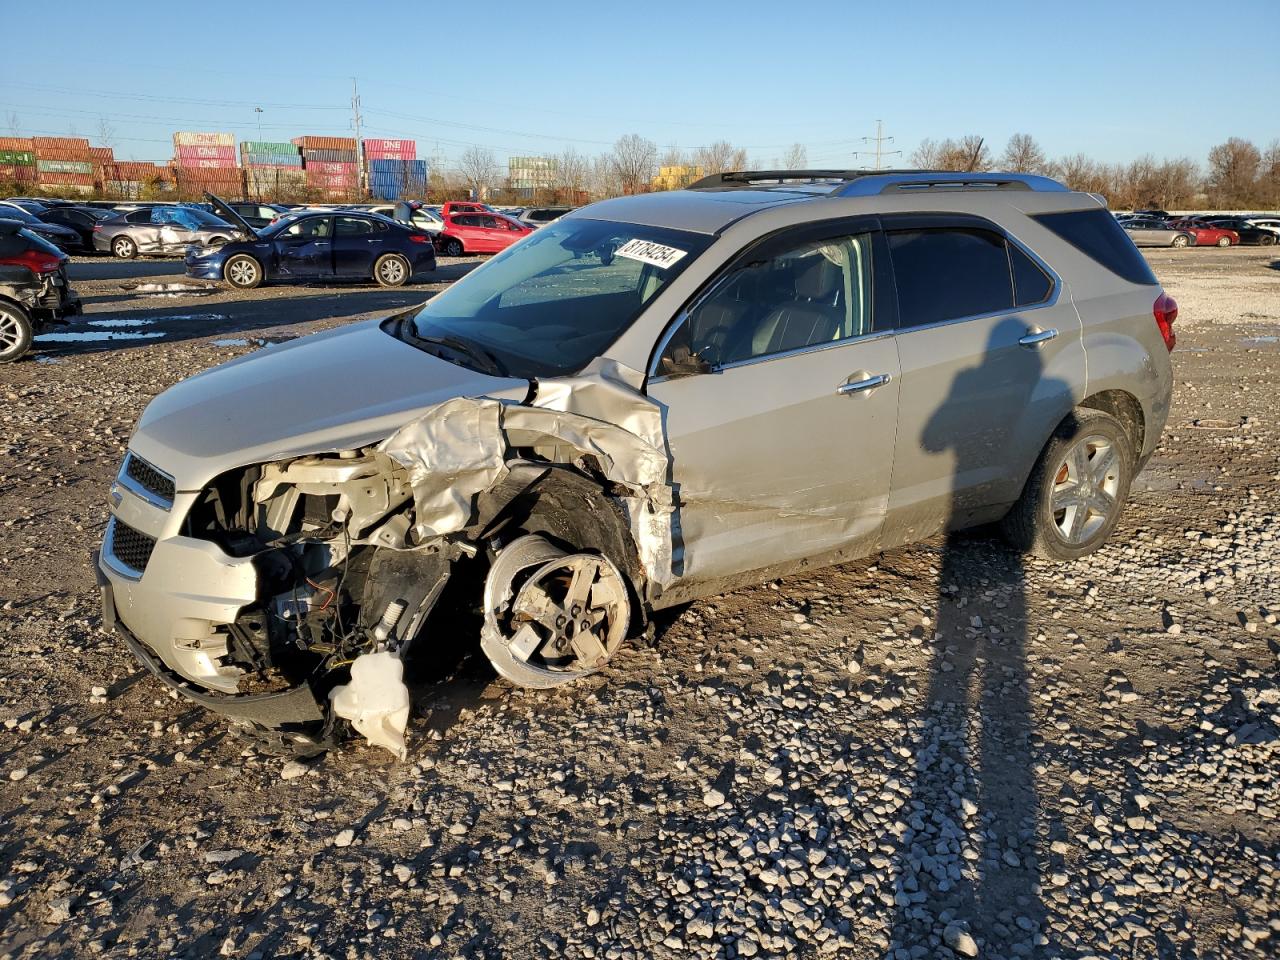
206 153
210 164
390 150
191 138
334 181
326 166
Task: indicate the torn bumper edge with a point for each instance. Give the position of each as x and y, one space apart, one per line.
271 710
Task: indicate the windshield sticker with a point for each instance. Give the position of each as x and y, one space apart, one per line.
646 251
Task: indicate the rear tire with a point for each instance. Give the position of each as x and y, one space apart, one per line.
1077 489
1266 241
1181 240
391 270
124 248
1224 241
242 271
15 333
453 247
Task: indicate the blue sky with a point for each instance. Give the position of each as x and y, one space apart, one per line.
1114 80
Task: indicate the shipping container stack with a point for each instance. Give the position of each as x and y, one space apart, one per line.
135 180
206 162
330 165
394 170
18 162
63 164
272 171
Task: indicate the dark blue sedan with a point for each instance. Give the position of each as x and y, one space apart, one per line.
317 245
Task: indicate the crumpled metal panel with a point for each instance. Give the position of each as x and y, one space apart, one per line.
460 448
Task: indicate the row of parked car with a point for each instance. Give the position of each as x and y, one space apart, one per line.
1157 228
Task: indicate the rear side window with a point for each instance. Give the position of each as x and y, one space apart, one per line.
946 274
1030 283
1096 234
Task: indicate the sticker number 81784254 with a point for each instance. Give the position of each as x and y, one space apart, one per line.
646 251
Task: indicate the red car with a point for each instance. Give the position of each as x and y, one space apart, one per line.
464 206
1206 235
465 233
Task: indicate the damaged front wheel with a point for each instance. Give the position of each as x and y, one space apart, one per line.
552 616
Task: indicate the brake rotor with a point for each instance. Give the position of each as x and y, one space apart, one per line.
552 616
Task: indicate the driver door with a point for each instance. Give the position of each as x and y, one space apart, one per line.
304 248
780 389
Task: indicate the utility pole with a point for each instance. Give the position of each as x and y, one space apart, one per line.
879 140
258 111
356 120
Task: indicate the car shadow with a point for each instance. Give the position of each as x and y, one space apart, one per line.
968 864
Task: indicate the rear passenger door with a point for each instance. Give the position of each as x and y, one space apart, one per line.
782 437
356 244
989 344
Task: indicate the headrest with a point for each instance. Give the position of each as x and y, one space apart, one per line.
818 280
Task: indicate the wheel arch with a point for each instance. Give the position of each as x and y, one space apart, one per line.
1124 406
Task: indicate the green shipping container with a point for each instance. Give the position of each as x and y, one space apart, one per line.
64 166
22 158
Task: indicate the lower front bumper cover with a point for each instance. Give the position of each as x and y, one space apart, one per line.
273 711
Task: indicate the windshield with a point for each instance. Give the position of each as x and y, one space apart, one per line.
550 304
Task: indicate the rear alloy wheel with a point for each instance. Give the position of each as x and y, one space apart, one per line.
124 248
1224 241
391 270
242 272
453 247
1181 240
551 616
1266 240
1074 496
15 333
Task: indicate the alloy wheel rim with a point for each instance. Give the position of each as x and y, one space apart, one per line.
392 271
10 334
123 247
1085 488
242 272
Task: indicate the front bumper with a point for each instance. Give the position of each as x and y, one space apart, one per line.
298 710
204 269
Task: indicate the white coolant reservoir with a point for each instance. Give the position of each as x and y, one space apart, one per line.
376 701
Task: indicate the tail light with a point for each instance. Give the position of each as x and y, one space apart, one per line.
1166 311
97 228
420 237
37 261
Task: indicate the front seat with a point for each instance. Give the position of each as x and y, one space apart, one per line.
810 318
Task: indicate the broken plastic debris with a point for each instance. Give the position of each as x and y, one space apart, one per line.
376 701
170 289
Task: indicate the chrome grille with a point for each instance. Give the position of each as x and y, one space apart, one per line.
155 482
129 547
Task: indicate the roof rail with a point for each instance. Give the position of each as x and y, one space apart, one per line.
899 181
868 183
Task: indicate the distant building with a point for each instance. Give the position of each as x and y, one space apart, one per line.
530 174
677 177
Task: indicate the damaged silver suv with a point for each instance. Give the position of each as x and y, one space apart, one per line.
654 399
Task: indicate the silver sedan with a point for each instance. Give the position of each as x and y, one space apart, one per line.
162 231
1157 233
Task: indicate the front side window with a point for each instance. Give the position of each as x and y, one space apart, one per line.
311 228
946 274
812 294
551 304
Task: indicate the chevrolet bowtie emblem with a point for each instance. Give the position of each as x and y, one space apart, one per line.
116 496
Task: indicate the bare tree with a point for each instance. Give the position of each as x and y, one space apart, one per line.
1233 173
720 157
927 155
633 161
1023 155
106 133
1269 176
479 170
13 123
796 157
573 172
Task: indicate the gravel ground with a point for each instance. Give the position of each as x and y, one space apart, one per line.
944 751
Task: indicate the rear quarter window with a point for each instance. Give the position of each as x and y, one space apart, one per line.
1096 234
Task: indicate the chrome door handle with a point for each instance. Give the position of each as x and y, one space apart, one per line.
1036 337
870 383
